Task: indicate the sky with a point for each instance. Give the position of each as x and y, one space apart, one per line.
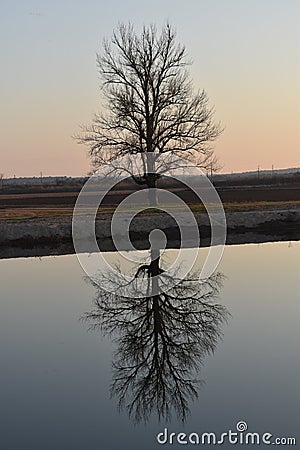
246 55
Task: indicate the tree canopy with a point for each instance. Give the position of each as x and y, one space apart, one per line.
150 103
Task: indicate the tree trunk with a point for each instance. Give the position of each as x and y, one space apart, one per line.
152 192
151 181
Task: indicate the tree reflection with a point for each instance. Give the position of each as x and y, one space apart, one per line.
162 338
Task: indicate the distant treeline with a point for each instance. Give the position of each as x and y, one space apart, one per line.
46 185
259 180
68 184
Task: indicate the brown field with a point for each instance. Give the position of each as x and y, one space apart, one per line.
30 205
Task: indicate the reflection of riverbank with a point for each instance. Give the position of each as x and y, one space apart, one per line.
41 237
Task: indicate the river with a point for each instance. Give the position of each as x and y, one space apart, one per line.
56 372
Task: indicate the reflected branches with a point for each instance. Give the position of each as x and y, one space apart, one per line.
162 338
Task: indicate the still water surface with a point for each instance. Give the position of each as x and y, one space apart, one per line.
56 374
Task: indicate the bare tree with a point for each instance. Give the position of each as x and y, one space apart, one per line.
151 106
1 181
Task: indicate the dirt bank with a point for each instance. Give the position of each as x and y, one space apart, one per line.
54 234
